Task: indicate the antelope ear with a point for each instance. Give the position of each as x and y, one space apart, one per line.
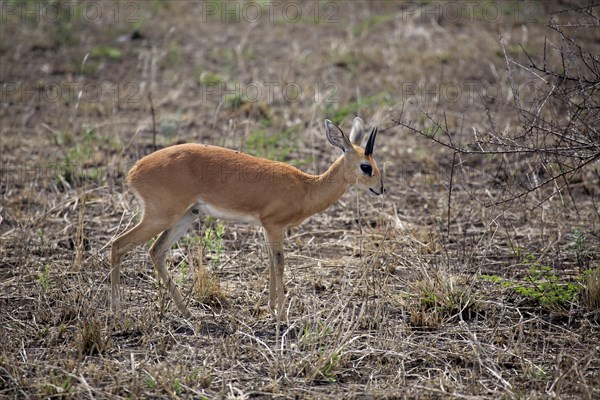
358 130
336 137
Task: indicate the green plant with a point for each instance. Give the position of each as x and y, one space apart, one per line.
177 386
316 336
169 124
540 284
228 57
371 22
80 154
174 54
545 287
150 382
577 241
515 51
518 251
275 146
327 364
44 279
210 78
338 113
198 376
106 52
65 18
320 341
184 270
64 384
432 131
212 241
40 233
84 149
235 101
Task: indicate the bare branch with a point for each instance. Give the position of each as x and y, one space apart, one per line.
557 137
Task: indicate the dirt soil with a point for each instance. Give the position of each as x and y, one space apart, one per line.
415 294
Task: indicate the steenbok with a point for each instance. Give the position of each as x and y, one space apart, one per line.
177 184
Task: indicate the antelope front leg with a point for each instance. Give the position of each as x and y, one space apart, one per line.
274 238
272 285
278 261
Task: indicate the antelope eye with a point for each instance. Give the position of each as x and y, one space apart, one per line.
367 169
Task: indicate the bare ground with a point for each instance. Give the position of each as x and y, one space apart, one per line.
400 297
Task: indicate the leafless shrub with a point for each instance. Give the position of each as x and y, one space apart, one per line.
556 99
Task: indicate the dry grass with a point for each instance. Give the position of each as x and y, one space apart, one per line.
386 296
591 291
207 287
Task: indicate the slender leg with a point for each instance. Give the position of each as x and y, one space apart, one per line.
139 234
272 276
272 285
274 236
159 250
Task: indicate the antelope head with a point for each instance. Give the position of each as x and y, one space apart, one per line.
360 165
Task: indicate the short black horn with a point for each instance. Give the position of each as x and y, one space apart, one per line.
371 142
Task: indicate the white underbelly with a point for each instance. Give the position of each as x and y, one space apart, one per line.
228 215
